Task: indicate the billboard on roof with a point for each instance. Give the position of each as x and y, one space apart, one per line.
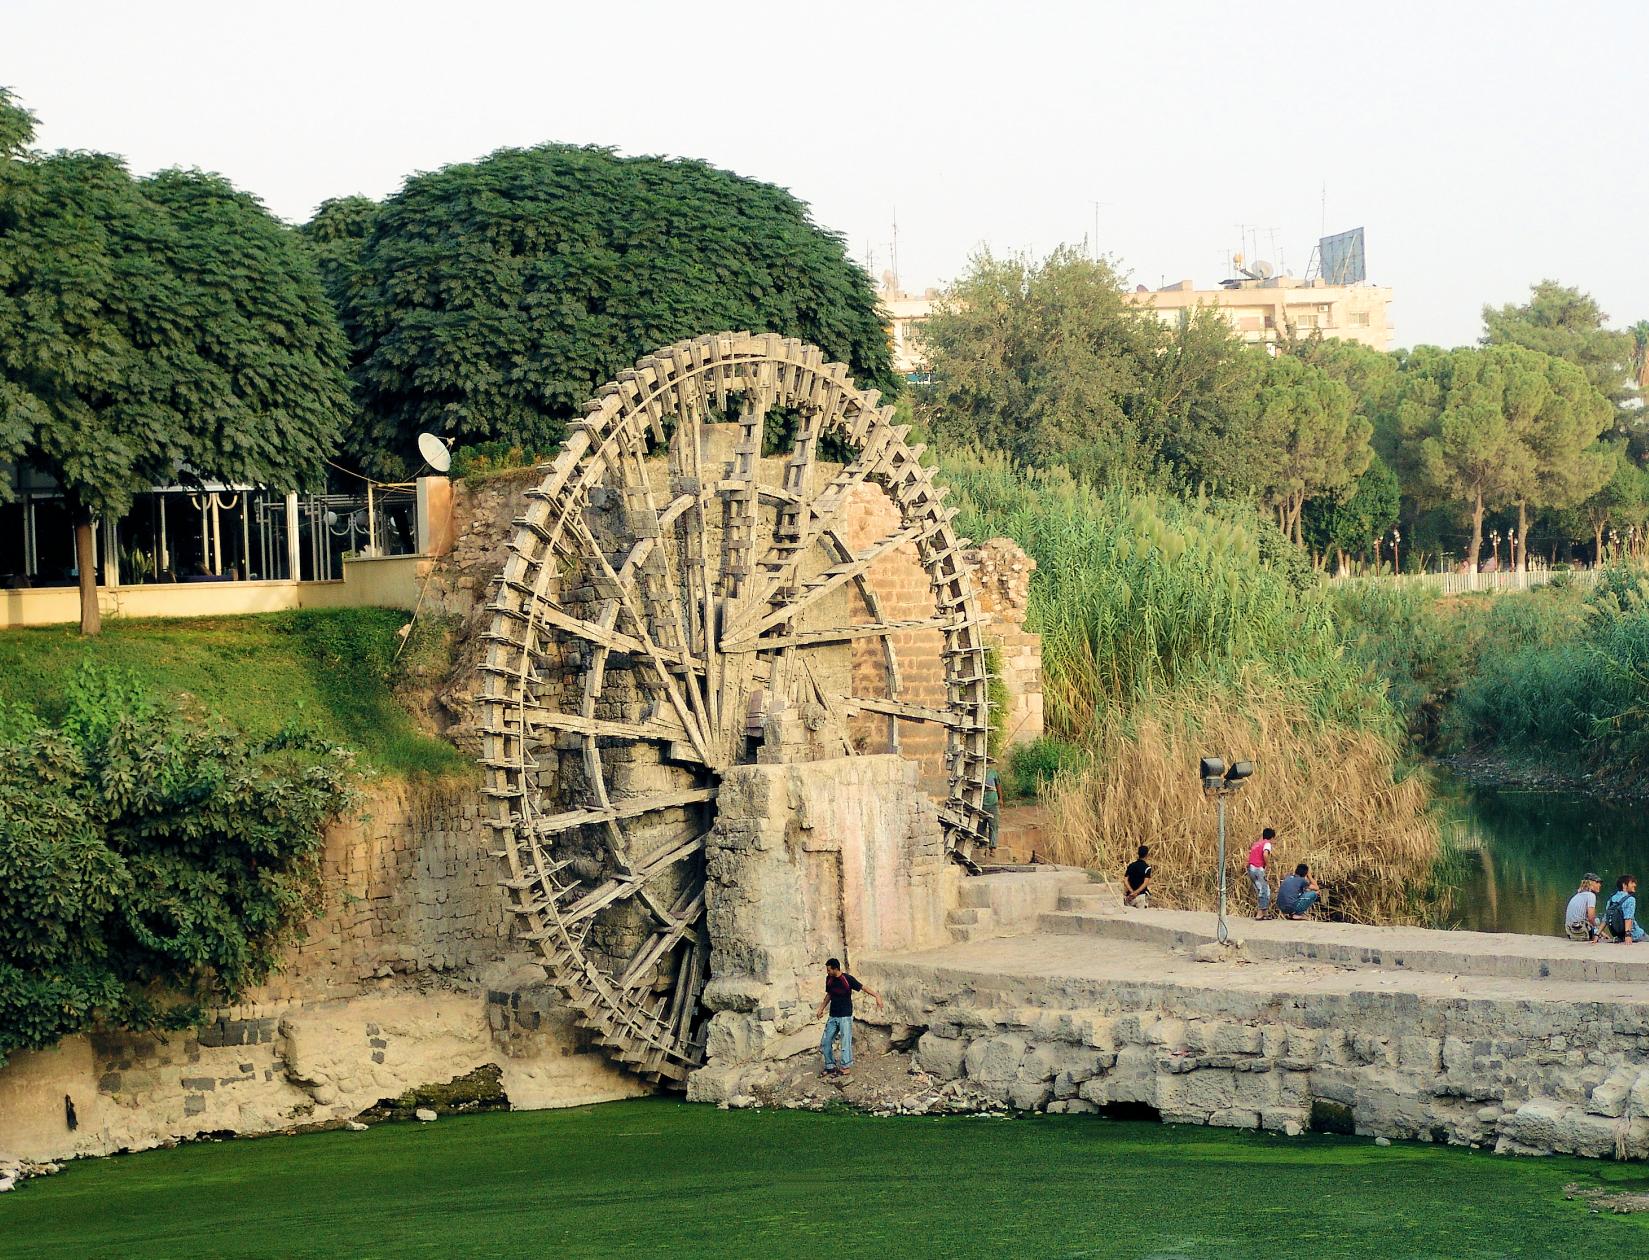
1342 258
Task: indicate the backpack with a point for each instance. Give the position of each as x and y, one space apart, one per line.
1614 916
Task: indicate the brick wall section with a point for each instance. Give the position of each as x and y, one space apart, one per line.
1002 573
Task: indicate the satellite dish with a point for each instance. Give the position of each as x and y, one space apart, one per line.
1262 270
435 452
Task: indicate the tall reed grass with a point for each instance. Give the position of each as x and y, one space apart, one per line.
1166 637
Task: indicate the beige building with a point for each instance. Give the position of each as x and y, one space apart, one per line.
1262 311
905 314
1265 311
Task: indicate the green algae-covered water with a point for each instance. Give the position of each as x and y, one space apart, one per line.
669 1179
1519 855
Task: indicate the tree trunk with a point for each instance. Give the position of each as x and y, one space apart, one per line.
1477 531
85 558
1522 535
1597 545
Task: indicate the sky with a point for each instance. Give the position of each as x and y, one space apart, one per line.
1482 146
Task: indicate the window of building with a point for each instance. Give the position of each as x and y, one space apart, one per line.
1359 319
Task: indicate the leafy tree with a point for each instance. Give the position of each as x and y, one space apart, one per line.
154 330
1044 361
1497 426
1623 500
336 234
1568 324
492 298
150 861
1312 441
1351 523
1285 433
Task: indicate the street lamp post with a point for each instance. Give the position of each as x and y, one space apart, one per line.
1220 781
1494 555
1396 538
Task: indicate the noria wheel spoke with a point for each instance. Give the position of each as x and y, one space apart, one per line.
667 586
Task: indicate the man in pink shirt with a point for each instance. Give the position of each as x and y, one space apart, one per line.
1258 856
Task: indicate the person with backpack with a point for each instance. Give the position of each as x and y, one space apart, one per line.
1258 856
1620 916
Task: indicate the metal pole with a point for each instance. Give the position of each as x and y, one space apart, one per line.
1220 932
371 524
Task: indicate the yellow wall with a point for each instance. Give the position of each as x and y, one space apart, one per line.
368 582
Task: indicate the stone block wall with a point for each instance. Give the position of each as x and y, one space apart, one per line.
1502 1072
407 978
410 890
807 861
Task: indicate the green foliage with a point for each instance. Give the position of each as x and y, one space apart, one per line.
1050 364
1582 696
1352 523
335 670
1043 361
1034 765
148 325
492 298
1567 324
1496 427
481 459
1136 595
149 860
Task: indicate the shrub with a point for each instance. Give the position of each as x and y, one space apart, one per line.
150 860
1035 765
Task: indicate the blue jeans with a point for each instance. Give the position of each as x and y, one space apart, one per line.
1262 886
841 1025
1302 904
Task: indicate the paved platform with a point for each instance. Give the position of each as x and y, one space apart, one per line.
1098 914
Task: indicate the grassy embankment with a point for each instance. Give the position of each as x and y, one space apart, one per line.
1555 679
334 671
665 1178
1166 636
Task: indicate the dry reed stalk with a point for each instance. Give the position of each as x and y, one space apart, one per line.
1330 791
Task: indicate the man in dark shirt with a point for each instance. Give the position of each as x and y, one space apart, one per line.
839 990
1136 880
1298 893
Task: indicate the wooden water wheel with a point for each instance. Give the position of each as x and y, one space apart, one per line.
675 603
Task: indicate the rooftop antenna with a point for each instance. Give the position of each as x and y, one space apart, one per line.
1094 251
894 247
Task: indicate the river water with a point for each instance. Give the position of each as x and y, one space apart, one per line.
1520 854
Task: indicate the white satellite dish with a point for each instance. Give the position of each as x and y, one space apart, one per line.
1262 270
435 452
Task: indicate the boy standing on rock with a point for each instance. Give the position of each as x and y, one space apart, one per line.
839 990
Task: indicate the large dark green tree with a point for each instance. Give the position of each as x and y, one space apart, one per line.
152 330
1498 427
1567 324
491 299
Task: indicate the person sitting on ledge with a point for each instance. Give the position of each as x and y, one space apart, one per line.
1580 921
1136 880
1620 916
1298 893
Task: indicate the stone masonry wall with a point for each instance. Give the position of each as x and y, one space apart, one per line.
1517 1075
408 978
841 857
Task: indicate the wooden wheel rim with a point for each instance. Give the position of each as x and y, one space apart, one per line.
655 605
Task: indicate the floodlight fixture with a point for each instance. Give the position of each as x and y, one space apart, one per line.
1211 771
1220 780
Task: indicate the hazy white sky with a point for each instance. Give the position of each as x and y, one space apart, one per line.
1482 145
